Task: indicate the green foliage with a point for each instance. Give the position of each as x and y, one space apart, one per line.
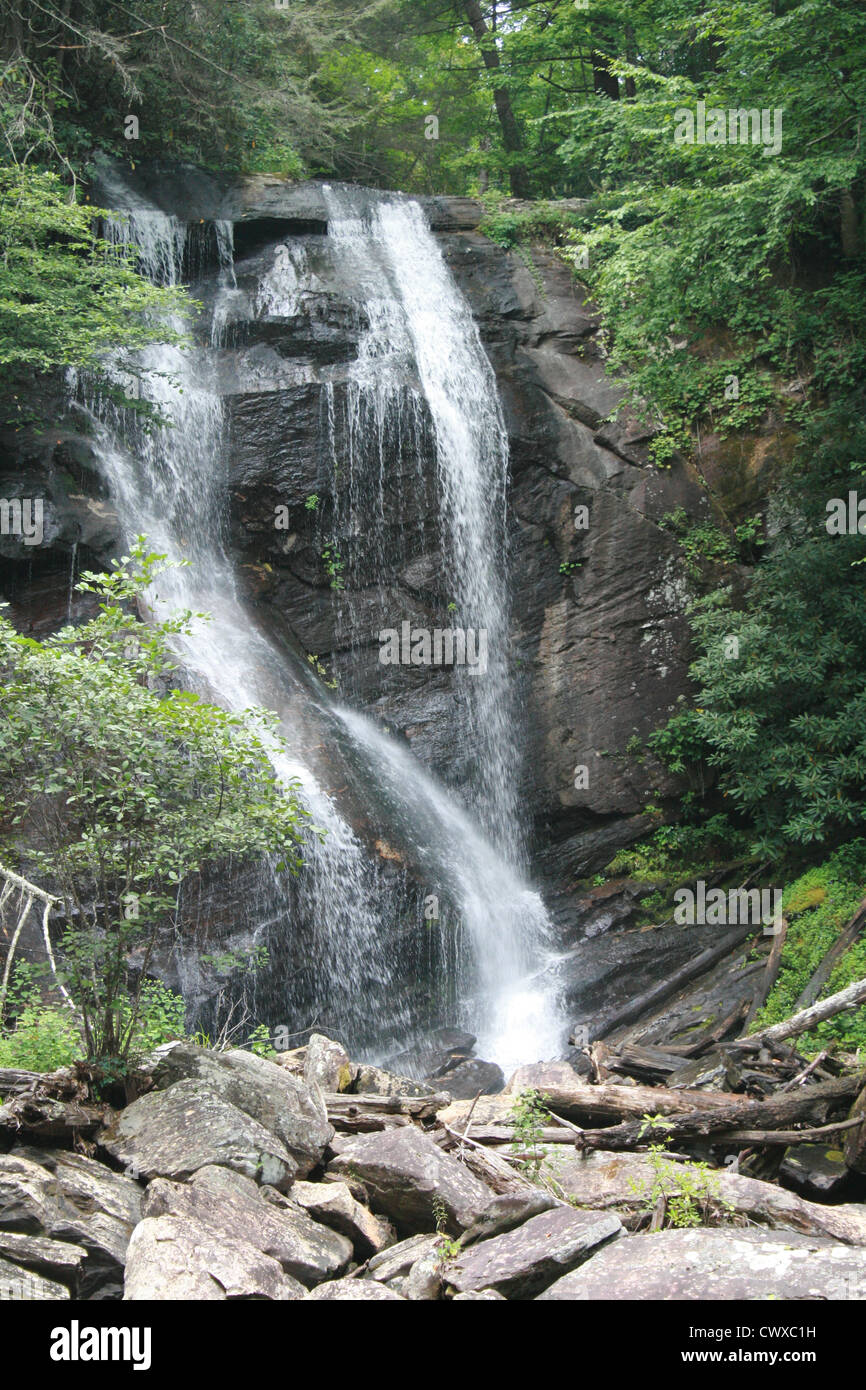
818 905
334 566
66 297
36 1035
782 722
701 543
259 1041
127 789
688 1193
679 851
528 1115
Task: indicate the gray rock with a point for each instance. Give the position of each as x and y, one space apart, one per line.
425 1279
19 1285
524 1261
231 1206
354 1291
467 1078
397 1261
74 1199
173 1133
375 1081
175 1258
509 1210
479 1296
717 1265
815 1170
404 1171
332 1203
621 1182
55 1259
270 1094
327 1065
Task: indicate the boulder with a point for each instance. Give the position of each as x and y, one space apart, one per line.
356 1291
229 1205
509 1210
327 1065
68 1197
479 1296
273 1095
621 1182
526 1260
466 1079
173 1133
412 1181
716 1265
19 1285
175 1258
397 1260
425 1279
815 1171
332 1203
53 1259
374 1081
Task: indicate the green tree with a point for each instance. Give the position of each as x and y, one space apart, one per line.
124 789
67 298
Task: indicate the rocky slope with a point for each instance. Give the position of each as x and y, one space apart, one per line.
311 1178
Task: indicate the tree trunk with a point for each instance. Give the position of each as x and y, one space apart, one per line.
511 136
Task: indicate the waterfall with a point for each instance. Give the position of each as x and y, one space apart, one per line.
416 313
171 484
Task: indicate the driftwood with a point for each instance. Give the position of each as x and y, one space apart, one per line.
835 953
769 976
28 894
359 1114
732 1117
848 998
40 1117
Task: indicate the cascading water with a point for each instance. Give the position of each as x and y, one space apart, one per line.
172 487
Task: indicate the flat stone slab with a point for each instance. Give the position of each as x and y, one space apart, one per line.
230 1206
620 1181
354 1291
405 1173
717 1264
173 1133
333 1204
19 1285
523 1262
174 1258
70 1198
397 1261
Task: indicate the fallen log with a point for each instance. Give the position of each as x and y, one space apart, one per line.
801 1022
769 976
40 1117
358 1114
777 1113
62 1084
